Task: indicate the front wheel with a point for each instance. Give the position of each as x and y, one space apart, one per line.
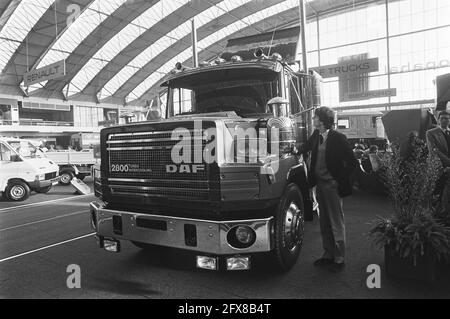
66 178
44 190
289 229
18 191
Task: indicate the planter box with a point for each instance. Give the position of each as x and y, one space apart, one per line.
427 268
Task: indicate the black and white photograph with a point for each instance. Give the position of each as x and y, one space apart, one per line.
219 157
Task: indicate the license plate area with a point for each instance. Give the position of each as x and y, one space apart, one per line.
151 224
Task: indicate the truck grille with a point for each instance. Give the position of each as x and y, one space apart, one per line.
137 167
50 176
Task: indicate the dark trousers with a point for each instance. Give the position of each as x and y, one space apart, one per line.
332 222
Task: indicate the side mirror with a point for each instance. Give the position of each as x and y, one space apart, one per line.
15 158
155 113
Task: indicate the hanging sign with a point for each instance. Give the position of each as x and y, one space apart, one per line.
50 72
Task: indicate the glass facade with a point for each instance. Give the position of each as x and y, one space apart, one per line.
410 39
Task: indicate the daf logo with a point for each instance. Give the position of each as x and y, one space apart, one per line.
185 168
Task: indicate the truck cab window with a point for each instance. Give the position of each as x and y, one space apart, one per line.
295 96
182 101
244 93
26 149
374 121
343 123
5 154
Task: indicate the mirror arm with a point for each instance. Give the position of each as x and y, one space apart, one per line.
303 112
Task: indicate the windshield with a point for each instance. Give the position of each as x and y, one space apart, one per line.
26 149
246 95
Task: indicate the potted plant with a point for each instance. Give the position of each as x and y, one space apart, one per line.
442 211
442 214
415 240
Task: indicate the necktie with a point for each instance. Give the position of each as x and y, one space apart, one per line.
321 140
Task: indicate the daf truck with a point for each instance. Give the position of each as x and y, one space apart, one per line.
219 174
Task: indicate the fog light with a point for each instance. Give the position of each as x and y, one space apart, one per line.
238 263
111 245
208 263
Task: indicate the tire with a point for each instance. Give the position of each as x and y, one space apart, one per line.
289 229
65 178
44 190
18 191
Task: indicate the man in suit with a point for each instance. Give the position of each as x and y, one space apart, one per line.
438 140
332 163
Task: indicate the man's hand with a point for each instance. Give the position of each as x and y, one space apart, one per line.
297 149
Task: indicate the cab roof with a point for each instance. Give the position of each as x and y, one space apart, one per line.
268 65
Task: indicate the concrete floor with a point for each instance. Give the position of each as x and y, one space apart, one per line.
40 231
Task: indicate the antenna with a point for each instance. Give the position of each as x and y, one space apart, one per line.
273 38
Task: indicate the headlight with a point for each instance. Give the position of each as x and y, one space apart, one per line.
40 177
241 237
249 150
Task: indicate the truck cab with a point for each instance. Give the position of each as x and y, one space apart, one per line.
24 169
218 175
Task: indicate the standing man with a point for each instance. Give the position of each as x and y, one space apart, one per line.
438 140
332 163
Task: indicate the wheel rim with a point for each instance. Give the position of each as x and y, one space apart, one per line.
17 192
65 178
293 227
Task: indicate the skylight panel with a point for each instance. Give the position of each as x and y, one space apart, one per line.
19 25
221 34
124 38
80 29
168 40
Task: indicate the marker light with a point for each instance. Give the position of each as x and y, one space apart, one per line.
238 263
236 58
208 263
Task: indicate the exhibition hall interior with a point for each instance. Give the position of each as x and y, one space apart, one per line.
224 149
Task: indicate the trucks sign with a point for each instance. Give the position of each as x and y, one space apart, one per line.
353 73
348 68
50 72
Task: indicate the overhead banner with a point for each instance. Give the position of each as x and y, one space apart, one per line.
353 73
50 72
348 68
367 95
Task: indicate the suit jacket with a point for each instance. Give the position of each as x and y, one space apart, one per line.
340 160
437 145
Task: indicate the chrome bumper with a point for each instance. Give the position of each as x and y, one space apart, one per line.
211 235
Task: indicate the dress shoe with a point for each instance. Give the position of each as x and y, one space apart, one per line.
322 262
337 267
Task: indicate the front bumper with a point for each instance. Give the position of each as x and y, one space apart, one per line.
174 232
43 184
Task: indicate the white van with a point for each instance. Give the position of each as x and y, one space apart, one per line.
23 168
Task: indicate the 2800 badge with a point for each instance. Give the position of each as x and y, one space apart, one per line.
120 168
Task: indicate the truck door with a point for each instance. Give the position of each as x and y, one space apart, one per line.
8 168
